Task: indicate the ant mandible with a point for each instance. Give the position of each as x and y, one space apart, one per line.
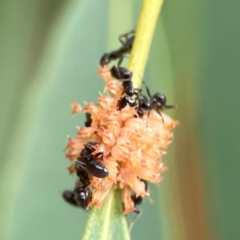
126 40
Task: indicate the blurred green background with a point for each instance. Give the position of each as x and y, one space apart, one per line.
49 53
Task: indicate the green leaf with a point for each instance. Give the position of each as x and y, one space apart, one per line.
109 222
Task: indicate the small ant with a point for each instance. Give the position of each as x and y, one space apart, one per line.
81 195
87 161
137 201
125 76
156 102
126 40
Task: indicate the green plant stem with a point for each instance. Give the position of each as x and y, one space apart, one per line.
109 223
143 39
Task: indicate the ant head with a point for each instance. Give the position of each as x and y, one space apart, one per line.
159 99
104 60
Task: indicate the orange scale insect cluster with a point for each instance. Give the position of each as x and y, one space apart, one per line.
132 147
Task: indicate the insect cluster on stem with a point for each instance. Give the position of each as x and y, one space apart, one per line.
123 139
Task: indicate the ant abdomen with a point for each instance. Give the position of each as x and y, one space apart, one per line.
68 196
121 74
97 169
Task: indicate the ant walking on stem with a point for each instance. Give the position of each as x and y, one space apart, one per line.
126 40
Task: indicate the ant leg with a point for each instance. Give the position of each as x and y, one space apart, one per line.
138 90
138 214
170 106
99 154
137 94
160 115
80 164
80 184
90 145
125 56
148 91
144 97
125 37
120 61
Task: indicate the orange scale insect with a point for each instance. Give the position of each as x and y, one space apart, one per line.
107 102
102 148
75 143
71 169
115 129
105 73
86 131
107 138
148 175
72 154
114 88
98 197
76 108
92 109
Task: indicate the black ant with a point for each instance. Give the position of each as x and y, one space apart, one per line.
126 40
87 161
125 76
156 102
81 195
137 201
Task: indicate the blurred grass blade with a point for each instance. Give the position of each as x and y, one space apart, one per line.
108 223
